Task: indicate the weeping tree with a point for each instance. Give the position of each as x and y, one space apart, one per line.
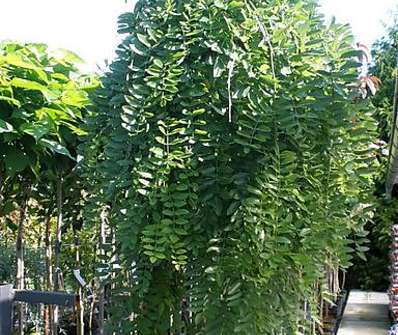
231 156
42 102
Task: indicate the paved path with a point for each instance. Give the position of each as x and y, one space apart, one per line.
366 313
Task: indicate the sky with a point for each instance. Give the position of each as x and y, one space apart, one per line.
88 27
366 17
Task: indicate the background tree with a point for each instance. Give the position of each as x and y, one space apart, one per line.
372 273
42 99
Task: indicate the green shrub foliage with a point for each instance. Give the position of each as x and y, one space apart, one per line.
372 274
41 98
385 64
233 156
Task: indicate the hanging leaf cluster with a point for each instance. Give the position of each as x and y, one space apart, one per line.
233 156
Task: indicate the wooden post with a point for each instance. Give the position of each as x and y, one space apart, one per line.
6 298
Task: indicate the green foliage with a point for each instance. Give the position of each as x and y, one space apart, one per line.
372 274
34 262
6 263
235 158
41 101
385 64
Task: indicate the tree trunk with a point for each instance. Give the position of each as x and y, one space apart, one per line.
101 309
19 252
1 187
101 288
49 327
91 315
80 312
57 251
80 305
